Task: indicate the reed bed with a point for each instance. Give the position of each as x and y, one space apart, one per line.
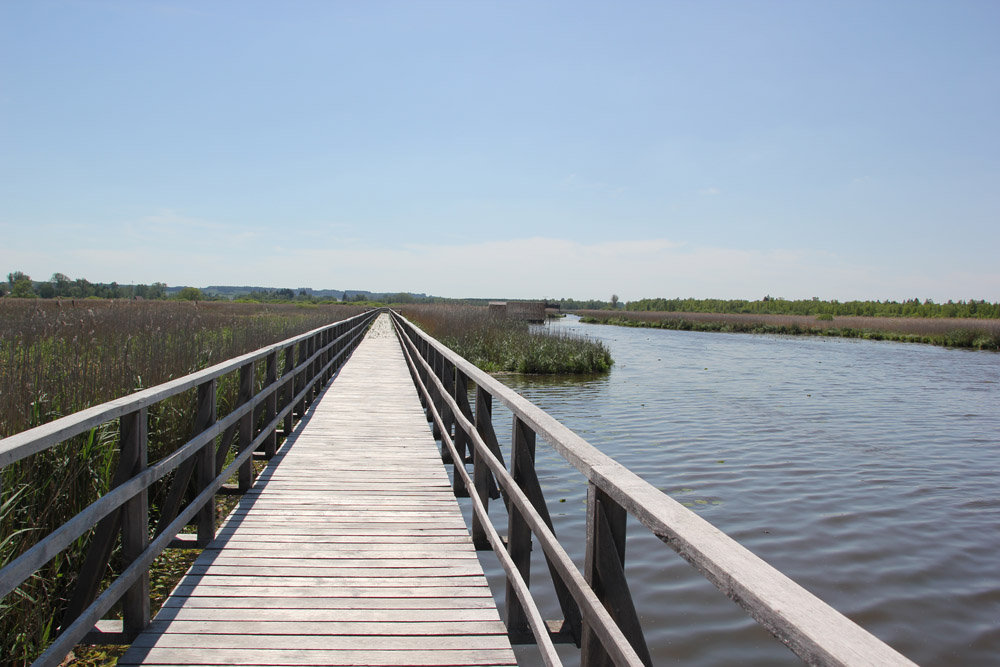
951 332
499 344
56 359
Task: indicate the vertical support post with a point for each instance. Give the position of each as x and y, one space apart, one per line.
205 461
338 346
448 380
522 456
604 570
135 523
299 384
327 354
307 349
461 393
288 387
315 346
422 351
481 475
247 377
484 425
435 362
271 404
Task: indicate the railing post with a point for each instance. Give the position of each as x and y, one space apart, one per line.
462 442
95 564
317 379
338 346
310 371
288 388
448 380
271 404
247 377
522 456
205 461
484 425
481 475
604 570
435 361
135 524
300 379
421 346
327 355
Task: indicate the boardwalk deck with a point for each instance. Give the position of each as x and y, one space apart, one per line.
349 550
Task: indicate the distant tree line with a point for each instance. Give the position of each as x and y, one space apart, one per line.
20 285
60 285
587 304
778 306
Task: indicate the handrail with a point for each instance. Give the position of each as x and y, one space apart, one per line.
23 444
581 591
124 508
813 630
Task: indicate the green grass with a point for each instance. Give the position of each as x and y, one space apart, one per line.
501 345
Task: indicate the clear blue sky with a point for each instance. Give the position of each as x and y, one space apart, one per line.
520 149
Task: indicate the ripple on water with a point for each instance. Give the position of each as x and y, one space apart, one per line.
866 472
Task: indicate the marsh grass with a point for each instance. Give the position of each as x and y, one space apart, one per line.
56 360
950 332
498 344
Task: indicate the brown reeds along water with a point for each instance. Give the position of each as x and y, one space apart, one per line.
869 472
59 358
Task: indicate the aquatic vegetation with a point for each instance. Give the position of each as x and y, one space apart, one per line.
498 344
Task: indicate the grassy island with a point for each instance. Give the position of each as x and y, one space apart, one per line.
498 344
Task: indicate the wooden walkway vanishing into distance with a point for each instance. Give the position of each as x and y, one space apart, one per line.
349 549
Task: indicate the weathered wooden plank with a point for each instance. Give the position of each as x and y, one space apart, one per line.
247 583
410 565
343 554
349 549
302 628
312 569
359 541
331 642
316 657
323 615
332 591
293 602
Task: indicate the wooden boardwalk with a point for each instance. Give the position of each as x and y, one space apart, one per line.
349 550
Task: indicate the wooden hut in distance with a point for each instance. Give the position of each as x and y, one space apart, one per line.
529 311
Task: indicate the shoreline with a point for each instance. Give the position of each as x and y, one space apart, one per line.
976 334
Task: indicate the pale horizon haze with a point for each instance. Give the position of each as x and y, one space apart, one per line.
840 150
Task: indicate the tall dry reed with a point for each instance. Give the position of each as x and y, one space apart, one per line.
58 358
954 332
500 344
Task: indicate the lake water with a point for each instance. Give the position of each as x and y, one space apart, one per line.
868 472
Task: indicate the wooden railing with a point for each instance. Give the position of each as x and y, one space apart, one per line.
598 613
308 362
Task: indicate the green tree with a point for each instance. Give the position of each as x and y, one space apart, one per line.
190 294
15 276
22 288
61 283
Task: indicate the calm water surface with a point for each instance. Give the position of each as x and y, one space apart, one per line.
868 472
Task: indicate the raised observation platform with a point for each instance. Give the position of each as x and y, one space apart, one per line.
350 548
